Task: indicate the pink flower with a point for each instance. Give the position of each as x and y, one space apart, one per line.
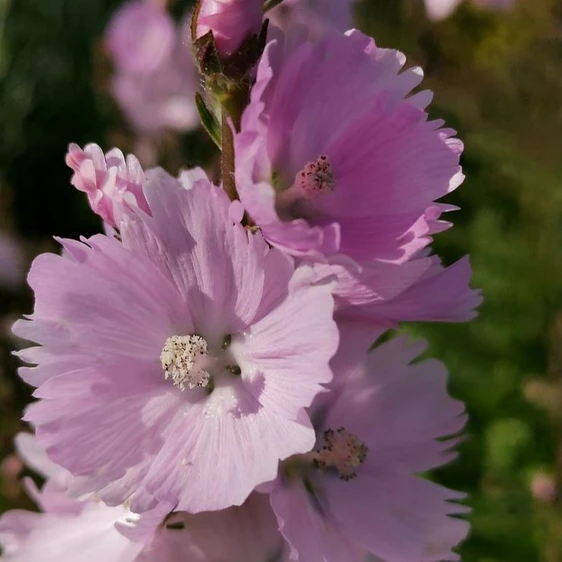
231 21
161 100
248 533
544 487
140 37
419 290
346 165
337 163
170 365
155 80
441 9
357 492
317 15
89 531
111 181
71 530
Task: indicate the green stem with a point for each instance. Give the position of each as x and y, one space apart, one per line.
227 158
232 108
270 4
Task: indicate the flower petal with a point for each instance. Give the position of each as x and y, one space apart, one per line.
312 535
399 517
223 447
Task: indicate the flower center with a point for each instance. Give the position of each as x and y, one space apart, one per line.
341 451
316 178
183 361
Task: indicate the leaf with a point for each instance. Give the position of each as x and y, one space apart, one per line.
208 120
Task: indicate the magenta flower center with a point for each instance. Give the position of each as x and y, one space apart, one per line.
341 451
183 359
315 178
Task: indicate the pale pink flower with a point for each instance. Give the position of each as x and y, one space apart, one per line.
75 531
170 365
231 21
88 534
140 36
357 492
543 487
338 163
161 100
111 181
317 15
155 79
335 157
248 533
441 9
420 289
88 531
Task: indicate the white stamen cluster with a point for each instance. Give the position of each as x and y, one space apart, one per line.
316 178
341 451
181 361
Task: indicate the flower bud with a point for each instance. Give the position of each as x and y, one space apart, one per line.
230 21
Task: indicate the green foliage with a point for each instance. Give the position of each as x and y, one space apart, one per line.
494 79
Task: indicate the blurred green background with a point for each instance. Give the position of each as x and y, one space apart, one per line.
497 78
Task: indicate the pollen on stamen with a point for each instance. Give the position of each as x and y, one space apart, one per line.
181 360
316 178
341 451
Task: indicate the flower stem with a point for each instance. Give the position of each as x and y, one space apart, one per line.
227 158
270 4
232 108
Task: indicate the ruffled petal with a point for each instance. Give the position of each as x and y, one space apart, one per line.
440 295
130 429
285 356
224 447
312 535
401 411
89 537
212 261
248 533
399 517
